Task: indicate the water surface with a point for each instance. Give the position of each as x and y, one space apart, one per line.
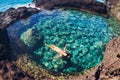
84 34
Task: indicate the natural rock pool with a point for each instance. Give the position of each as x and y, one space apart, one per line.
84 34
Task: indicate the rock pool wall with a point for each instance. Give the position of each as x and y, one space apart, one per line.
7 69
115 9
91 5
11 15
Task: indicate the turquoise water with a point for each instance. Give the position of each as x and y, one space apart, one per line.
6 4
84 34
101 1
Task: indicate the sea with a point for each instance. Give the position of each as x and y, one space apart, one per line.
6 4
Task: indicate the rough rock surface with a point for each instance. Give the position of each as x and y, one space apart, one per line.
11 15
111 61
8 71
90 5
4 45
114 9
4 52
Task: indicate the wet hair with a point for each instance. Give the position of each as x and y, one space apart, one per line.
67 58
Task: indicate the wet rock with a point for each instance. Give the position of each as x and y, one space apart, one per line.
4 52
90 5
11 15
9 71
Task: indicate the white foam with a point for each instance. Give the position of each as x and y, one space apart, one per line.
29 5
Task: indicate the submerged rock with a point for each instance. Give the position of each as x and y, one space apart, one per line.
32 39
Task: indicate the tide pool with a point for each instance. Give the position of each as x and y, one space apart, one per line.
6 4
85 36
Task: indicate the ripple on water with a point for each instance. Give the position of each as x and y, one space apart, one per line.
85 35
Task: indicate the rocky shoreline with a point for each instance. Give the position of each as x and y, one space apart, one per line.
11 15
8 71
87 5
106 70
7 18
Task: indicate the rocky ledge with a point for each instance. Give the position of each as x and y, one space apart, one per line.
90 5
115 9
8 71
110 66
11 15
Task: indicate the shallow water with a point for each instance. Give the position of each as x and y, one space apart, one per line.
84 34
6 4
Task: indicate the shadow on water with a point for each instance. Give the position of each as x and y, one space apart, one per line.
14 32
4 43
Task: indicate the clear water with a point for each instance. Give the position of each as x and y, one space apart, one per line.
85 35
6 4
101 1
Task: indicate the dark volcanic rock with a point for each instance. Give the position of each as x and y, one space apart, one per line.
4 52
11 15
90 5
4 45
8 71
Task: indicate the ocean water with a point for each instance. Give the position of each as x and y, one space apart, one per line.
85 36
6 4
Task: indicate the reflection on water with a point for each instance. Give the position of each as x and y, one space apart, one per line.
84 34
